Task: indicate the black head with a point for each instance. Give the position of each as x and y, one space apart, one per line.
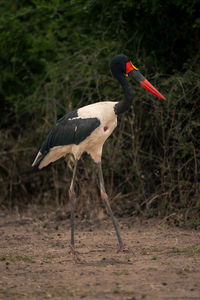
121 66
118 65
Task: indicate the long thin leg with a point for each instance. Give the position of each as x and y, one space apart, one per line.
104 197
71 198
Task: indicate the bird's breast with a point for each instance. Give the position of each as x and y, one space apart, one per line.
104 111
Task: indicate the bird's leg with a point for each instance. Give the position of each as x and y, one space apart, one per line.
104 198
71 198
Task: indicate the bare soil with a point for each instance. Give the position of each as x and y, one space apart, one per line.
35 263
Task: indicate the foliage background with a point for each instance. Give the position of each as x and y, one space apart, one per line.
54 57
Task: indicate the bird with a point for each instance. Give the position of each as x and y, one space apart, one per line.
87 128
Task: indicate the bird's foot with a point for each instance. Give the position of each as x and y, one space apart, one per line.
74 253
72 250
124 250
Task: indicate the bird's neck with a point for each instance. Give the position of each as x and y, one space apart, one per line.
124 104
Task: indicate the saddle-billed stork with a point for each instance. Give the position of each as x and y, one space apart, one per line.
87 128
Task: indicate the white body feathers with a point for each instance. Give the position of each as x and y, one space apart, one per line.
92 144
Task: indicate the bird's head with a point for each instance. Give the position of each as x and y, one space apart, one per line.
122 66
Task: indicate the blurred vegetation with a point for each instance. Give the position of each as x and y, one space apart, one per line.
54 57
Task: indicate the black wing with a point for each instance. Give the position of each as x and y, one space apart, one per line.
69 130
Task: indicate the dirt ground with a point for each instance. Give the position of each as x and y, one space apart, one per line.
35 263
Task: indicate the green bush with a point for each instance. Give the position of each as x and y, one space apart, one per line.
54 57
